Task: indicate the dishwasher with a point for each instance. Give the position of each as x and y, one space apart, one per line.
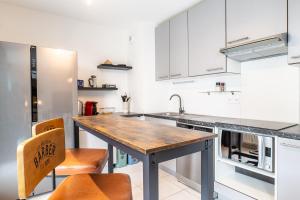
188 168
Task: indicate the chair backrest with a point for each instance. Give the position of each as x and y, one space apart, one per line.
38 156
47 125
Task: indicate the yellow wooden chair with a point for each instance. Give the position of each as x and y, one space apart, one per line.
78 161
39 155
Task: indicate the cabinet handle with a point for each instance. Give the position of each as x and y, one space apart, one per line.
162 77
214 69
295 57
238 40
290 145
175 75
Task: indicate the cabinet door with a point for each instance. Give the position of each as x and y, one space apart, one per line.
206 37
294 32
179 46
253 19
162 51
288 169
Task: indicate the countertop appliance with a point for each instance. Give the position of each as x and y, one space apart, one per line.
247 148
188 168
90 108
36 84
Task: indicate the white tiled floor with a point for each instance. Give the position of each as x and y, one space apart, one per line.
169 187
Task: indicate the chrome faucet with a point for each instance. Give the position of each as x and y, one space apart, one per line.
181 108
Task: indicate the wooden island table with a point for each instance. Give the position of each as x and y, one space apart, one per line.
152 144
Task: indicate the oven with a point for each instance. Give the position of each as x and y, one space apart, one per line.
247 148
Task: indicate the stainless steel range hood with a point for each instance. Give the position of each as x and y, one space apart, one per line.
257 49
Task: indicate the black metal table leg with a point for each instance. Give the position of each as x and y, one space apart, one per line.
53 180
76 135
207 171
150 178
110 159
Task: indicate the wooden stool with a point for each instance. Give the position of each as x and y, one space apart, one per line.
78 161
39 155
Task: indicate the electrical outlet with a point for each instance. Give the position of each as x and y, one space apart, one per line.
234 100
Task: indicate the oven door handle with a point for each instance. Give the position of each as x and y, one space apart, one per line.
261 152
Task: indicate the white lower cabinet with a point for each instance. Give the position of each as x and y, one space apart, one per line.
288 170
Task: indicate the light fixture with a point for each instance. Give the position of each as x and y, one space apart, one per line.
89 2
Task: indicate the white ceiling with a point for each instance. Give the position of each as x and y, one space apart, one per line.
109 12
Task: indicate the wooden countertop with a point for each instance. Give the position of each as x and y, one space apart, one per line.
143 136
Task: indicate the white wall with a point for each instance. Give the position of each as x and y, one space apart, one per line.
93 43
270 87
270 90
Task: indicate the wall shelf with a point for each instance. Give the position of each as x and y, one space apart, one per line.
233 92
114 67
96 89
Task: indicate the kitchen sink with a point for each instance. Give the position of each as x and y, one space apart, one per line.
171 114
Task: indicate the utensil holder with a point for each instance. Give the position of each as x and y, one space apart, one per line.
126 107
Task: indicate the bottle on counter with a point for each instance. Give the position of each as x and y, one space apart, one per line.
222 86
218 86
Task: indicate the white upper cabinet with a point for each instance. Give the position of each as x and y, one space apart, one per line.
206 25
162 51
294 32
179 46
254 19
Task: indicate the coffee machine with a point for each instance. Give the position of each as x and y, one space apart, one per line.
90 108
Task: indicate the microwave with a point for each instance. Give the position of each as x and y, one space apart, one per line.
247 148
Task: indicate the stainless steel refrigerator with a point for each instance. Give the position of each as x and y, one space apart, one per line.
35 84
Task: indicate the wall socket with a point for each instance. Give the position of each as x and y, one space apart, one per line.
234 100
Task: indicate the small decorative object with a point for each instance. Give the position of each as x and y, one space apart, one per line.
126 103
93 81
109 85
108 62
80 83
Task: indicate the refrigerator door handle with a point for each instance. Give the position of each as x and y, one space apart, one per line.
33 72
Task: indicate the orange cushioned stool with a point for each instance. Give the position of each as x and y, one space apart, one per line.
39 155
78 161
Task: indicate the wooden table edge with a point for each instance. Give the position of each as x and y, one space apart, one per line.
153 150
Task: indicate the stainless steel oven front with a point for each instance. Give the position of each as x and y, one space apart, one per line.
247 148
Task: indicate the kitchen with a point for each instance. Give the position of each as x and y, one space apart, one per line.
264 89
